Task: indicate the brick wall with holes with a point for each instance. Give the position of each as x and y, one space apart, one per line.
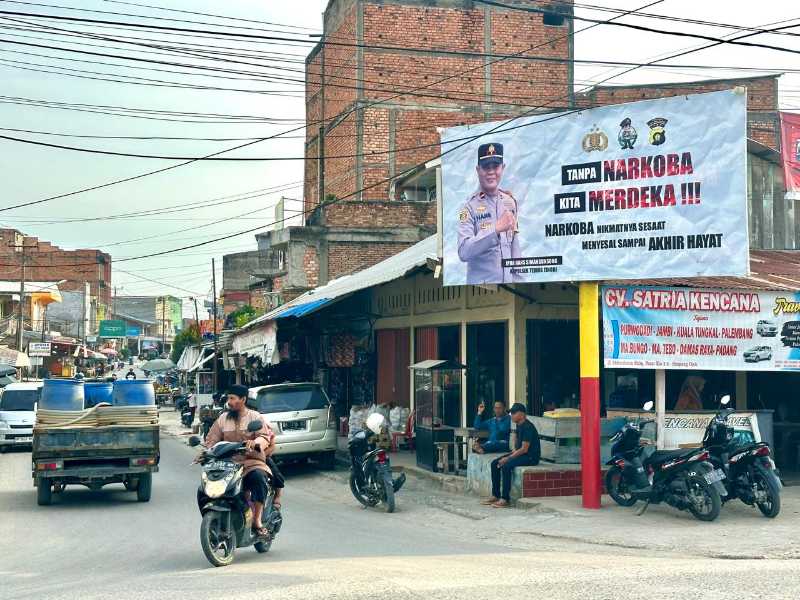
762 100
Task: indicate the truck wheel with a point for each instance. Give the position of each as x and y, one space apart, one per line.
44 493
145 487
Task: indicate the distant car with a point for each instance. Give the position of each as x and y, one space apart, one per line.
758 354
18 413
790 334
766 328
303 419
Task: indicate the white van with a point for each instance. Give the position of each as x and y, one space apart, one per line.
18 403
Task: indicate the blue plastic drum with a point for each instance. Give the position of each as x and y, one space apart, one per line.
61 394
133 392
97 392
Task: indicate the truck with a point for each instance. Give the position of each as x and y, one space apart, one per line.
94 457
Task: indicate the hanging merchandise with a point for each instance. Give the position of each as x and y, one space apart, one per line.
340 350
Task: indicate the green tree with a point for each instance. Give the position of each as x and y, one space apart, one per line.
242 316
187 337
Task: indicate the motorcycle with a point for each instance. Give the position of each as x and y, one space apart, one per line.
750 471
227 512
371 479
187 414
684 479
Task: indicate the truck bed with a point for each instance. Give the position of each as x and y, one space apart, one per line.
95 442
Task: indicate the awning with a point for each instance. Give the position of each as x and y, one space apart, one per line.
200 362
387 270
188 358
46 297
260 342
14 358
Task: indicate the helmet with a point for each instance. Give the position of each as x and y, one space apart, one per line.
79 375
376 422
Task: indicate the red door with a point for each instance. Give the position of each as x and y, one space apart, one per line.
393 376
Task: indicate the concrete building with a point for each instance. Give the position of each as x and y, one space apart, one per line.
165 312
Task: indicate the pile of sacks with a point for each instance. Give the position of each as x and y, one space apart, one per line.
398 417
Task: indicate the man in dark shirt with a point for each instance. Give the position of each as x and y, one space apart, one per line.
527 451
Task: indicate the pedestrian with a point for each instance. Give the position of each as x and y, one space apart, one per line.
487 223
527 452
131 374
499 428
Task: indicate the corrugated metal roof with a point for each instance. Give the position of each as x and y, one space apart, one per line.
770 270
387 270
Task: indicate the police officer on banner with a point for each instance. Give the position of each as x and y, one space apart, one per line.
487 223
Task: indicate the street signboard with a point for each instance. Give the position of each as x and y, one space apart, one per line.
133 331
91 339
112 328
700 329
653 189
39 349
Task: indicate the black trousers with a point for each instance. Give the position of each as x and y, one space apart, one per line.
257 482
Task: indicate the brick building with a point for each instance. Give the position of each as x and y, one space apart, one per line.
366 156
46 262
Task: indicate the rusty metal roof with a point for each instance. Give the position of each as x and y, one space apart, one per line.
776 270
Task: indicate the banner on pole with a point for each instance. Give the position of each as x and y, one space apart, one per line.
647 189
790 150
685 328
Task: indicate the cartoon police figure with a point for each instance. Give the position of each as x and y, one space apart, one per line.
487 228
627 134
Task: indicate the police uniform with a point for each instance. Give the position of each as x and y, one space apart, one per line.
479 245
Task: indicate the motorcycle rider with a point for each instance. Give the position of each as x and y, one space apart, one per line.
231 426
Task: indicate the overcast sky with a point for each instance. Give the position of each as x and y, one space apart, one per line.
31 173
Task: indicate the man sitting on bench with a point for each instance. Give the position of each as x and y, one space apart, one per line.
499 428
527 452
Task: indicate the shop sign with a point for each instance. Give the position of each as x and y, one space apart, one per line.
37 361
112 328
685 328
91 339
39 349
689 428
133 331
647 189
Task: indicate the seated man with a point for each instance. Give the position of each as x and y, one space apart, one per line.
527 451
231 426
499 428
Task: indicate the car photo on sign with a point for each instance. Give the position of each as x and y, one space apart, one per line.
758 353
766 328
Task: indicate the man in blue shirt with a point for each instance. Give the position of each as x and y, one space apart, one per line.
499 428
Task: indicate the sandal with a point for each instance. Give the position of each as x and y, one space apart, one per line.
261 531
501 504
276 505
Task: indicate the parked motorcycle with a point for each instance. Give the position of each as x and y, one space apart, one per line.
370 471
749 468
684 479
181 402
227 512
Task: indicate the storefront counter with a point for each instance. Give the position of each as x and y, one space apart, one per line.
687 427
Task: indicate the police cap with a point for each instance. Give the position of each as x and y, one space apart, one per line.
490 154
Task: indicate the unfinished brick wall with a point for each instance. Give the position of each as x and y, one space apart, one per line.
762 100
348 257
311 266
46 262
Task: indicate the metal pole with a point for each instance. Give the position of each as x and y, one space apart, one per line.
214 319
589 327
196 314
163 324
21 296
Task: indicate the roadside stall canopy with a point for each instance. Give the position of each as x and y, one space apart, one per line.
14 358
258 341
201 360
188 358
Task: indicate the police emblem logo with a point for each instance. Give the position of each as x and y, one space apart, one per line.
627 134
658 134
463 216
490 151
594 140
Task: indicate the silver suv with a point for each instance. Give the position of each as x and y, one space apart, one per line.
303 419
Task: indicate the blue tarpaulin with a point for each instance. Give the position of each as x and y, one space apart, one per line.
298 310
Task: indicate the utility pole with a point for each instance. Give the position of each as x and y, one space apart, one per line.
21 295
163 324
196 314
214 319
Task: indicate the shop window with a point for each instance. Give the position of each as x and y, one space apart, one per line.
553 19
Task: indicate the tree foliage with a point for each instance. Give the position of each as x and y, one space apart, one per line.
187 337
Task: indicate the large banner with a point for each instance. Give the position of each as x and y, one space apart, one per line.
684 328
648 189
790 150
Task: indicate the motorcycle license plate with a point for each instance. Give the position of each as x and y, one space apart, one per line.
715 476
217 465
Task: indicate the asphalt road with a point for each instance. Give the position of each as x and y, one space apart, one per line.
93 545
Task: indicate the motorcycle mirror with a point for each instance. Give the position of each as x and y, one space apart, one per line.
194 441
648 406
254 426
725 400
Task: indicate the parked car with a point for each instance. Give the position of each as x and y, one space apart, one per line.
18 413
766 328
790 334
758 354
303 419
